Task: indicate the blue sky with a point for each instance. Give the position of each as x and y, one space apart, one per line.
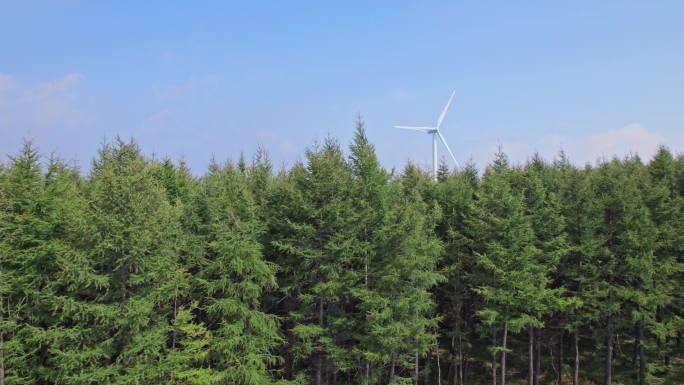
203 79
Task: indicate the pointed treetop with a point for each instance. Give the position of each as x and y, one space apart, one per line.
500 160
442 170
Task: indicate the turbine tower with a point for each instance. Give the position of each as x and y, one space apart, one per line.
434 131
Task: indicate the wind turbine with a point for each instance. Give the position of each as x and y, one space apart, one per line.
434 131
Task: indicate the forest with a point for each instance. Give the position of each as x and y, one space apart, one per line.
337 271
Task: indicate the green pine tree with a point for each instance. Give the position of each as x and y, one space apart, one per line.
538 185
133 242
403 316
369 190
514 286
582 213
232 278
455 195
623 272
43 230
315 245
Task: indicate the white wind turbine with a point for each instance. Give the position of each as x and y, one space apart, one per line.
434 131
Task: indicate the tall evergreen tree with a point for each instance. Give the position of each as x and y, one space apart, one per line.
133 242
515 286
43 231
403 318
455 195
5 278
369 190
583 216
543 206
23 235
317 240
622 273
665 206
232 278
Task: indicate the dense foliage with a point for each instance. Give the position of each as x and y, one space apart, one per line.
337 271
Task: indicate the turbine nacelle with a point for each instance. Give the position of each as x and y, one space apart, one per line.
434 131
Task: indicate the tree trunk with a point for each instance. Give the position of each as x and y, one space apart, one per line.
334 375
642 354
2 342
439 368
365 281
466 370
2 354
503 355
175 318
531 357
366 258
494 365
328 370
319 359
289 359
576 366
666 359
416 372
537 357
635 353
454 365
560 357
392 364
609 352
461 366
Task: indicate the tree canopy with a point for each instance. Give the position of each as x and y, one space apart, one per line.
338 271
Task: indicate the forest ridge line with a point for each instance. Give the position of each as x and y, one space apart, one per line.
336 271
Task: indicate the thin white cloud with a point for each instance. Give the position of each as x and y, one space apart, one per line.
167 57
273 139
6 83
157 120
400 95
632 138
175 92
39 105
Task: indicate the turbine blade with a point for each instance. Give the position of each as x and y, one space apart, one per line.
444 111
448 149
424 129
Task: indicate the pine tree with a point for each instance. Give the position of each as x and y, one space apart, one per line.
514 287
455 195
665 207
260 181
22 236
623 272
133 242
5 278
583 217
187 361
403 317
316 239
537 183
369 190
44 227
678 243
231 280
